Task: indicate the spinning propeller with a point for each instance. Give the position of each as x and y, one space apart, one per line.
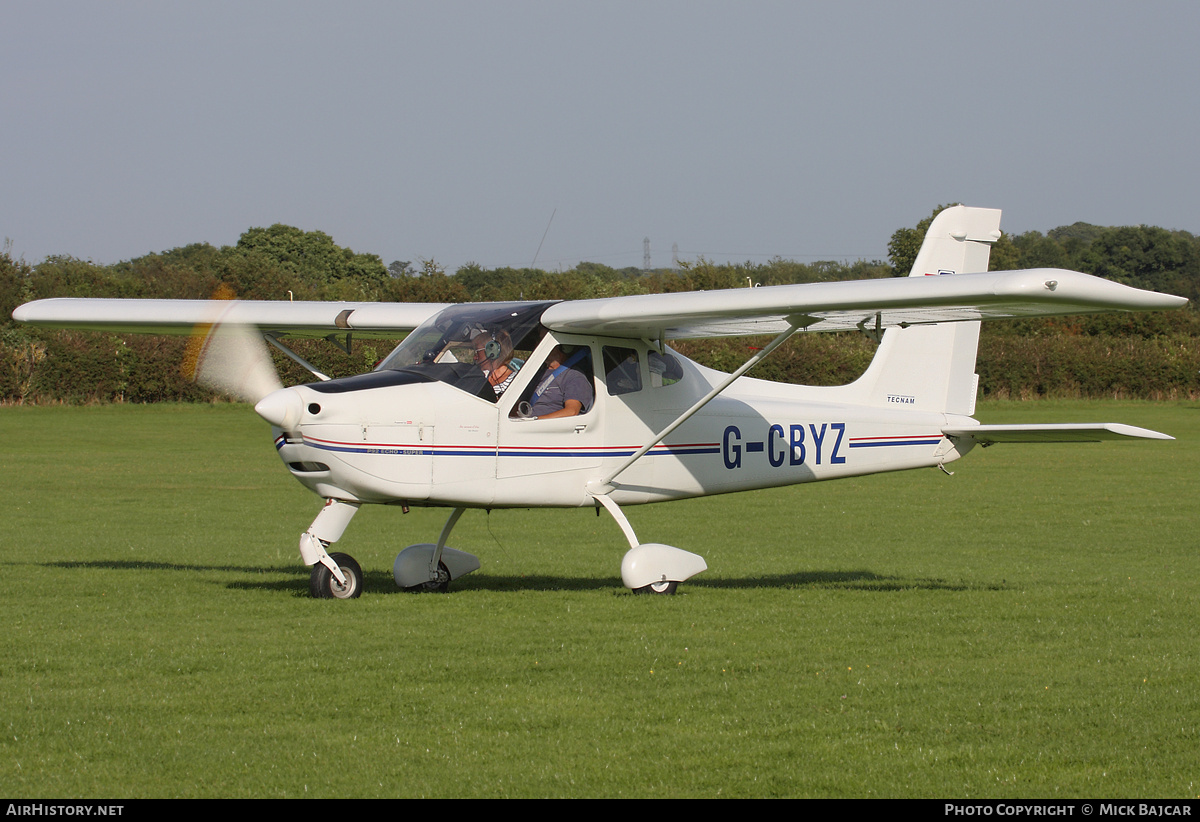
232 359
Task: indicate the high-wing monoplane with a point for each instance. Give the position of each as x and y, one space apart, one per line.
457 415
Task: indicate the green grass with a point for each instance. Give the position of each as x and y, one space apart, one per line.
1025 628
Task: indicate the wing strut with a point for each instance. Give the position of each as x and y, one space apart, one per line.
292 355
603 486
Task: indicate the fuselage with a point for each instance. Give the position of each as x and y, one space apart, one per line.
427 442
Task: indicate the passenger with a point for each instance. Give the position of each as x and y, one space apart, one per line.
493 355
623 378
664 369
562 391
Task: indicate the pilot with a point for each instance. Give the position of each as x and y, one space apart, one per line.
562 390
493 355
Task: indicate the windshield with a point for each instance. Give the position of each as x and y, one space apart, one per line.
463 344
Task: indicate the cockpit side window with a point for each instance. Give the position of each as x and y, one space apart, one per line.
664 369
565 375
622 370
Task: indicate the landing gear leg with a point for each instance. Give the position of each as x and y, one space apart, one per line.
334 575
651 567
439 574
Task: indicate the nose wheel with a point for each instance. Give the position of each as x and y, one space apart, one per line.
324 585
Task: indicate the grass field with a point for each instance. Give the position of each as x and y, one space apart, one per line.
1025 628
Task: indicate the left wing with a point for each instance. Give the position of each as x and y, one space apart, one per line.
312 319
841 306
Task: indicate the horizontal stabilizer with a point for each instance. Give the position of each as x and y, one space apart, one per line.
1065 432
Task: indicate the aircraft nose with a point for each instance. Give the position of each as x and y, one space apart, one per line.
281 408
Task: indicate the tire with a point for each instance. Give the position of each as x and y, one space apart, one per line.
324 585
660 588
438 586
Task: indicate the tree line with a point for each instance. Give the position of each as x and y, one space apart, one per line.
1145 355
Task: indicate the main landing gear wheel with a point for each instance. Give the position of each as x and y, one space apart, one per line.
662 588
438 586
324 585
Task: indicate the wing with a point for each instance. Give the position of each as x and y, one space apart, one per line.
866 304
313 319
840 306
1066 432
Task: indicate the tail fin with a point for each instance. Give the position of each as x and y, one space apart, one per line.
932 367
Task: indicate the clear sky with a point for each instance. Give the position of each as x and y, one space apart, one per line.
453 130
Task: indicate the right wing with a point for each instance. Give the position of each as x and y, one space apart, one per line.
843 306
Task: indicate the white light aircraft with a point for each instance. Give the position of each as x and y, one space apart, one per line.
427 427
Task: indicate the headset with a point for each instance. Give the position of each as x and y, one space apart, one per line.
492 348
